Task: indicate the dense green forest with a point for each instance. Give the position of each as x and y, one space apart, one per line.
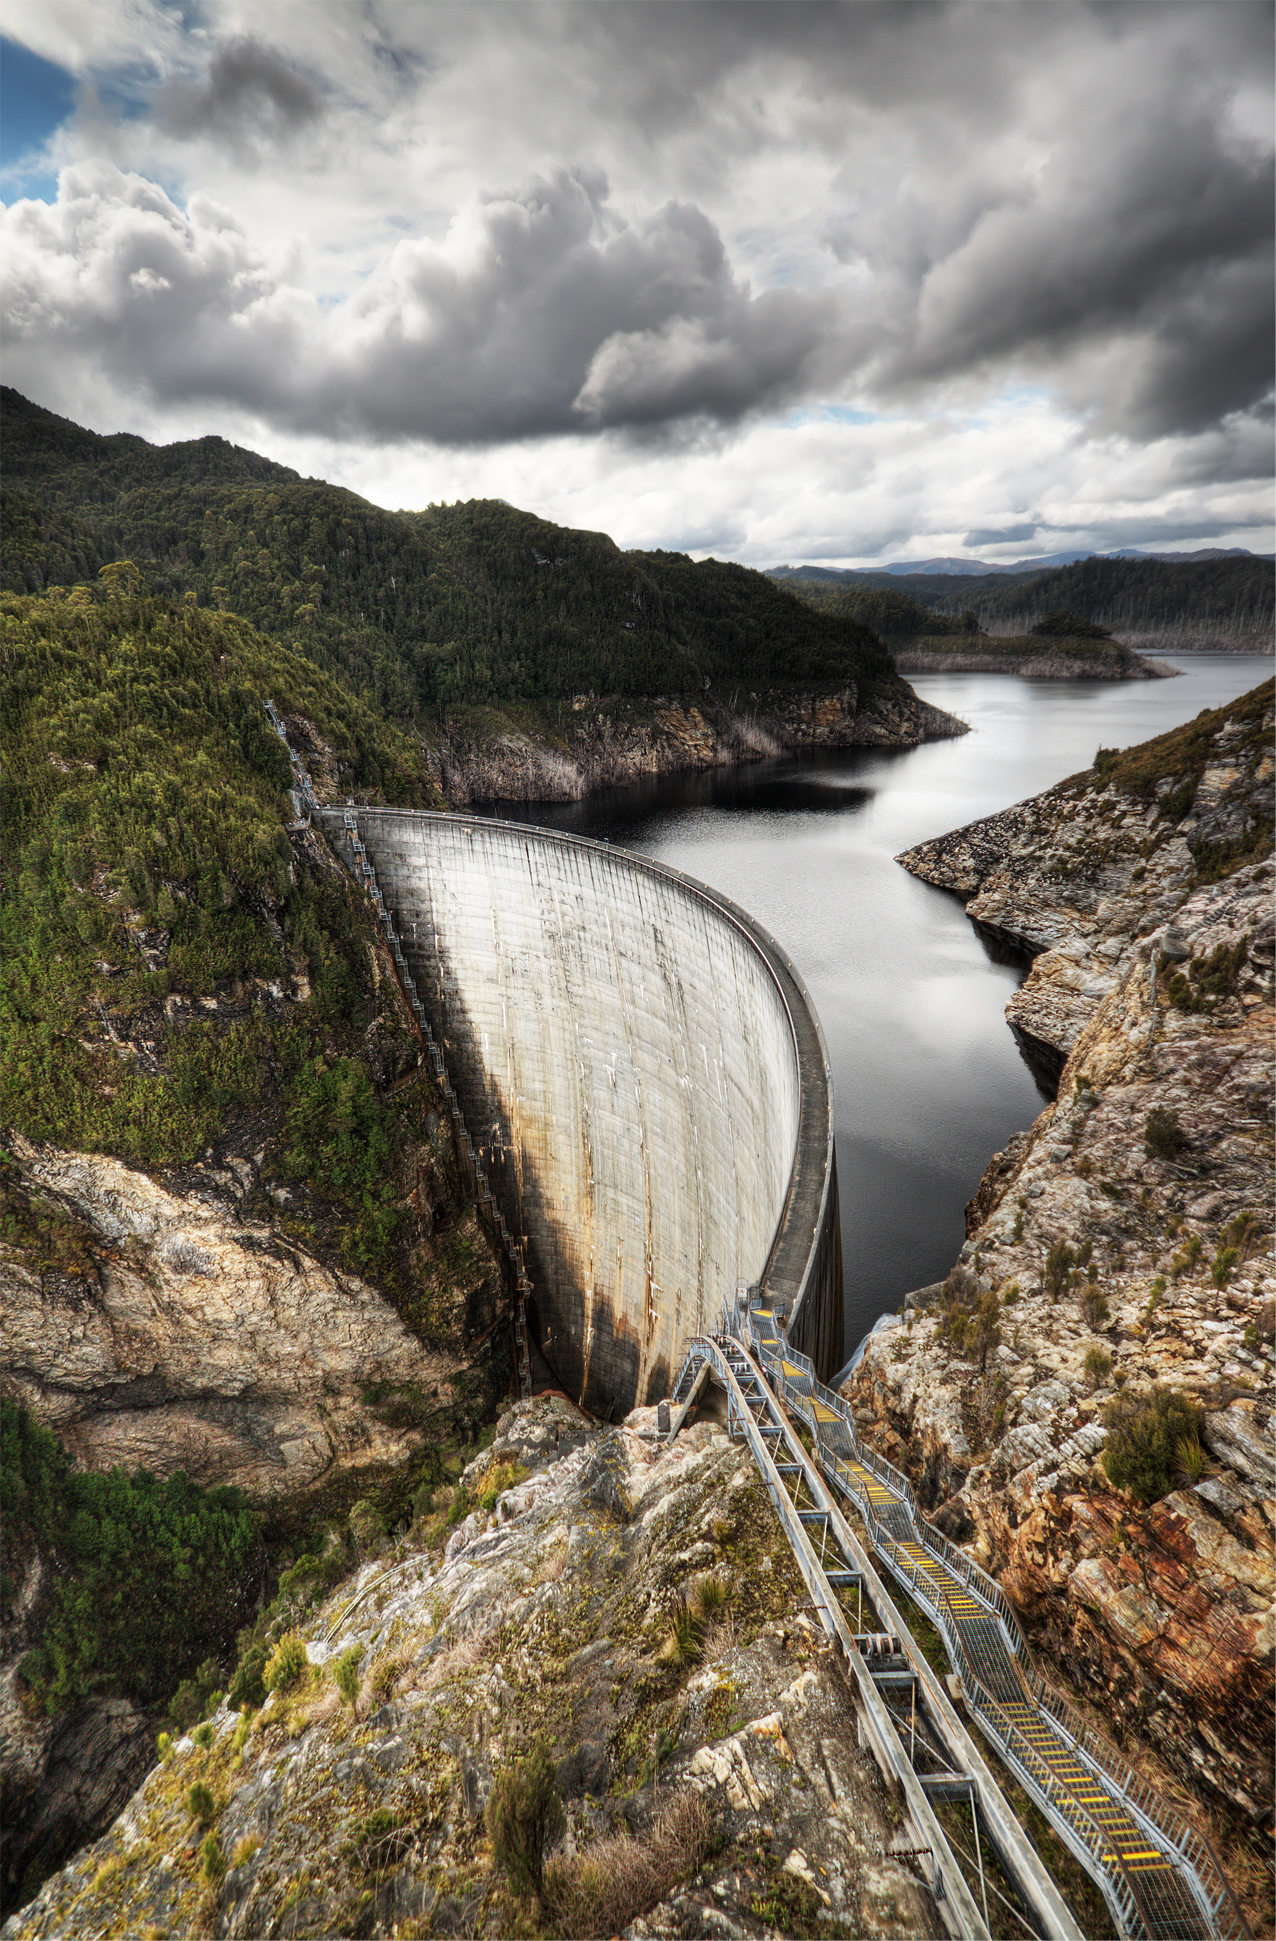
146 857
453 605
1236 594
147 1577
1142 592
894 615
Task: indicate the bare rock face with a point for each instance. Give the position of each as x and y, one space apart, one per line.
1153 990
596 743
721 1796
203 1342
64 1779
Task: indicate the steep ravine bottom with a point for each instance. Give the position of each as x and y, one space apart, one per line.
1124 1241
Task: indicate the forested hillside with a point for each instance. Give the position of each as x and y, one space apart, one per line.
456 604
1138 592
1235 594
888 612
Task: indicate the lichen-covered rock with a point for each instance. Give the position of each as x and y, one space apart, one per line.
1124 1239
710 1791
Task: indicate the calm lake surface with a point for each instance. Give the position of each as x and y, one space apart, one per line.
928 1080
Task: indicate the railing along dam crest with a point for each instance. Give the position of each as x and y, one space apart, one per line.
642 1081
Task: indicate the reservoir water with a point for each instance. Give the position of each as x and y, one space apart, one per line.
928 1080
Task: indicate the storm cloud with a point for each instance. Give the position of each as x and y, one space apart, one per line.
475 228
250 94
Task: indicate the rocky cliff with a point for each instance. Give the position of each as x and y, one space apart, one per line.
557 752
708 1787
1031 659
1125 1239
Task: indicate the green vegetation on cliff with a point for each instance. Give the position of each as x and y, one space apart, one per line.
457 604
141 1578
156 911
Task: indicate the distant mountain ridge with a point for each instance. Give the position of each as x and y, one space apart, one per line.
981 568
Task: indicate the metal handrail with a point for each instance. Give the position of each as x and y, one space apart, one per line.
469 1156
1209 1883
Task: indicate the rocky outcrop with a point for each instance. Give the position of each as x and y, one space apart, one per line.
557 753
721 1795
1124 1239
63 1780
202 1342
1034 661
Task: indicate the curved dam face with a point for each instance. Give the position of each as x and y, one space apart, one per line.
646 1080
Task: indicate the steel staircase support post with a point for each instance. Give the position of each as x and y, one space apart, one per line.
957 1906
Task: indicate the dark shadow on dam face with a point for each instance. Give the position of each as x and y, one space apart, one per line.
622 1054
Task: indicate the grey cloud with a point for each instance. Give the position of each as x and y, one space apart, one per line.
1057 193
547 313
998 535
250 94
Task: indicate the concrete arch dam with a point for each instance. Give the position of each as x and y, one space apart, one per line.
647 1082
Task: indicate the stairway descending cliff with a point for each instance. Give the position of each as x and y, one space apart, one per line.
1160 1880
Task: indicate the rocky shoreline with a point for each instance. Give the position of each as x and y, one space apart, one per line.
1123 664
558 752
1125 1238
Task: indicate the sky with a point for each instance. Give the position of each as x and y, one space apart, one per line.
840 283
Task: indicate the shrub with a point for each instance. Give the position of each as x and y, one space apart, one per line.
286 1663
203 1736
212 1861
367 1528
1189 1459
498 1479
1093 1305
1163 1135
1187 1256
985 1332
201 1804
1059 1264
682 1641
1144 1429
346 1672
1011 1296
1223 1265
164 1746
525 1817
247 1686
191 1701
1098 1365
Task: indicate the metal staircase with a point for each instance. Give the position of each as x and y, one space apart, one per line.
1160 1879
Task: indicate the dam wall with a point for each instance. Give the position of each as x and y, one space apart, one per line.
645 1079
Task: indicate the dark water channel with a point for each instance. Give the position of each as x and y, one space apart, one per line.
928 1080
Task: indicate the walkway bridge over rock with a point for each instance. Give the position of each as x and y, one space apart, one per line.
1161 1881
